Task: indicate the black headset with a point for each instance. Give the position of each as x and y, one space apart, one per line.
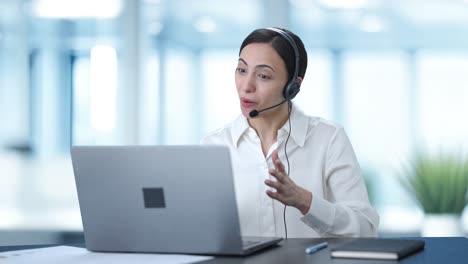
290 91
292 88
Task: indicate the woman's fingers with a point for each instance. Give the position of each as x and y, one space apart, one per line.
281 177
277 162
275 195
274 184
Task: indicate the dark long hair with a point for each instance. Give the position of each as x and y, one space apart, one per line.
282 47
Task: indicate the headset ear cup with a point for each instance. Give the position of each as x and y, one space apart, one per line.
291 91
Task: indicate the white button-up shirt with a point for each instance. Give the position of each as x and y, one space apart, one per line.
322 161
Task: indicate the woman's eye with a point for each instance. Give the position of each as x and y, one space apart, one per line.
263 76
241 70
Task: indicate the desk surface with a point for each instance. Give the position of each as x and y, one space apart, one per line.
437 250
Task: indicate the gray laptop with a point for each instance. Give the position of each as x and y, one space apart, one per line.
166 199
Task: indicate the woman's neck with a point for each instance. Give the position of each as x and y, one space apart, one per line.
267 125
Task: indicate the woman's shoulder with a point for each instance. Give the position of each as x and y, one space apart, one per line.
322 125
315 123
327 124
324 131
220 135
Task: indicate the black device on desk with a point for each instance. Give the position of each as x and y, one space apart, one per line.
373 248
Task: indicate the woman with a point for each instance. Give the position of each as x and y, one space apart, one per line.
325 183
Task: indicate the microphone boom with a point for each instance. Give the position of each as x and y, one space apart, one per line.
255 113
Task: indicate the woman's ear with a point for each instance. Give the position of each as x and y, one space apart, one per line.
299 80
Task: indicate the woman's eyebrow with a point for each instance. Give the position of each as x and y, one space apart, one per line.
258 66
264 66
240 59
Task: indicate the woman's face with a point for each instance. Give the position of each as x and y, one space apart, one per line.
260 78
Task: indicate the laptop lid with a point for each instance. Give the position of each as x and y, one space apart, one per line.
170 199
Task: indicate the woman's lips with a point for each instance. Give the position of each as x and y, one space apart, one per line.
247 103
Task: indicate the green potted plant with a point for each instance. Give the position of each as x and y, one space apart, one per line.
439 184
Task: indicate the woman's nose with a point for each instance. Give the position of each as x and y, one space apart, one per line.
248 84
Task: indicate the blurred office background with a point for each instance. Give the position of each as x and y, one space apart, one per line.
113 72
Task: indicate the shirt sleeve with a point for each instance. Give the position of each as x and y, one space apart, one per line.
345 210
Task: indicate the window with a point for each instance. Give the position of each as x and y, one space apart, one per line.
315 97
376 105
149 115
81 133
181 115
376 110
221 102
94 96
442 108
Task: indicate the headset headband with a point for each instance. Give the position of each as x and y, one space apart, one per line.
294 46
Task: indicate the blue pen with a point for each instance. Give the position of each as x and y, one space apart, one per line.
315 248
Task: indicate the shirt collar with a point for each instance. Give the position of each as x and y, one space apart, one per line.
299 127
239 127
